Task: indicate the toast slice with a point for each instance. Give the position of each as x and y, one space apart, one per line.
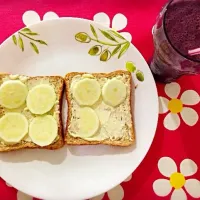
128 137
58 84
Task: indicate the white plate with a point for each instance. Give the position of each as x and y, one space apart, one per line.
75 172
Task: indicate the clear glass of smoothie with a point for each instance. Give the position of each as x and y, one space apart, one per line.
176 36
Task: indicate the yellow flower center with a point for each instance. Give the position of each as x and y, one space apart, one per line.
177 180
175 105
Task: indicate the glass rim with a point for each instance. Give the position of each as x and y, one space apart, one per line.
165 31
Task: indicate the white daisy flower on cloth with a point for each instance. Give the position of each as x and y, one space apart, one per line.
178 106
119 22
175 180
117 193
31 17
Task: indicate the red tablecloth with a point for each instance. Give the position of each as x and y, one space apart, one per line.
171 168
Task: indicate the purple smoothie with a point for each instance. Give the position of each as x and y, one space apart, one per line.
176 31
182 26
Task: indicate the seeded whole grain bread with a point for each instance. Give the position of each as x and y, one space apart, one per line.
70 140
58 83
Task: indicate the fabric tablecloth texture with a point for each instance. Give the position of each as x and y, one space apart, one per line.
171 169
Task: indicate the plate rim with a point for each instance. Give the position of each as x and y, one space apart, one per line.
153 84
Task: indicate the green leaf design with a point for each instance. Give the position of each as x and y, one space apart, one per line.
119 48
14 39
21 43
26 30
116 34
107 35
31 33
27 33
42 42
95 50
116 50
34 47
130 66
105 56
82 37
123 50
140 75
93 31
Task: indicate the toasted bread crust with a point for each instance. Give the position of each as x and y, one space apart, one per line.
70 140
58 143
